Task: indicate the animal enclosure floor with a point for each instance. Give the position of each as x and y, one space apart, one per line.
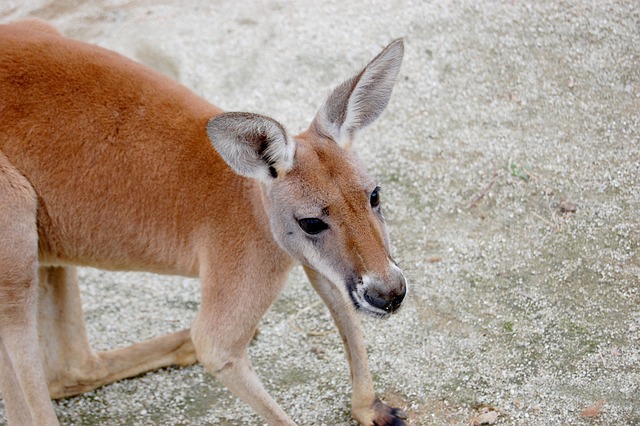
509 158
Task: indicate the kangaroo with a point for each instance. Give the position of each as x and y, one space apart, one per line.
106 163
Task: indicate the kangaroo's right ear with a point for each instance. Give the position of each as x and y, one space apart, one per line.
359 101
253 145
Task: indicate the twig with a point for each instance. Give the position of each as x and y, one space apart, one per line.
553 216
604 363
484 192
545 220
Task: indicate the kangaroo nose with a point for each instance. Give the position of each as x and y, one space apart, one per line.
390 303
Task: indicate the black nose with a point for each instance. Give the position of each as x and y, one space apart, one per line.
388 304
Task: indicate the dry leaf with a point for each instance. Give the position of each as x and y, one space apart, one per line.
593 410
434 259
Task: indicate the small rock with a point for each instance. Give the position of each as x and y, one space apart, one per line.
488 418
535 409
567 206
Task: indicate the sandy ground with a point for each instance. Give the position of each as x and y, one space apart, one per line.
506 118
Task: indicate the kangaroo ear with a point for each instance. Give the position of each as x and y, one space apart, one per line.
359 101
253 145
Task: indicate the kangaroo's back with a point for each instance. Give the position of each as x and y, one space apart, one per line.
108 144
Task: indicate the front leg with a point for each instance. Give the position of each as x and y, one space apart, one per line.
367 409
225 324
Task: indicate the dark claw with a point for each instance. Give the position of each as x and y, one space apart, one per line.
399 413
392 421
388 416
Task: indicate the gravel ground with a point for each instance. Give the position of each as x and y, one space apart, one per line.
510 161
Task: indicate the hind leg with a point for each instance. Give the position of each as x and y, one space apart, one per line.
64 345
22 378
71 366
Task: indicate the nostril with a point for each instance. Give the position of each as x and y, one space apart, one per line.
397 301
377 302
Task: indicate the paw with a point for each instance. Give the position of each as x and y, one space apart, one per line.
380 414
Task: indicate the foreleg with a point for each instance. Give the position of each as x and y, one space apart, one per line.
366 408
225 324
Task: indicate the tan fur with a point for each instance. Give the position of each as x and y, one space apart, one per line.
106 163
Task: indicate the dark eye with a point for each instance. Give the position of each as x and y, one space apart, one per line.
375 198
312 225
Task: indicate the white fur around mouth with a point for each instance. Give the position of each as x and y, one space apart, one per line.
358 296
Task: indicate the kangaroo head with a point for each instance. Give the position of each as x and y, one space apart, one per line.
324 208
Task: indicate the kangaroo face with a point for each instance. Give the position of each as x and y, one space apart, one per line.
324 208
327 213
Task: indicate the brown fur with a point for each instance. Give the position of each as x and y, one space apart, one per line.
106 163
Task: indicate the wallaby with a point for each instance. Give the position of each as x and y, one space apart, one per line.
106 163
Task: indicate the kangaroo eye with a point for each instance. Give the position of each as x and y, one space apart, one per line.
375 198
312 225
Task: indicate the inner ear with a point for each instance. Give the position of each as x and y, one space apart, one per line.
252 145
260 141
359 101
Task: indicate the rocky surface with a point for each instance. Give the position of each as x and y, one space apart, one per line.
510 161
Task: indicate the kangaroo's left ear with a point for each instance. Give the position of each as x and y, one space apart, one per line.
359 101
253 145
